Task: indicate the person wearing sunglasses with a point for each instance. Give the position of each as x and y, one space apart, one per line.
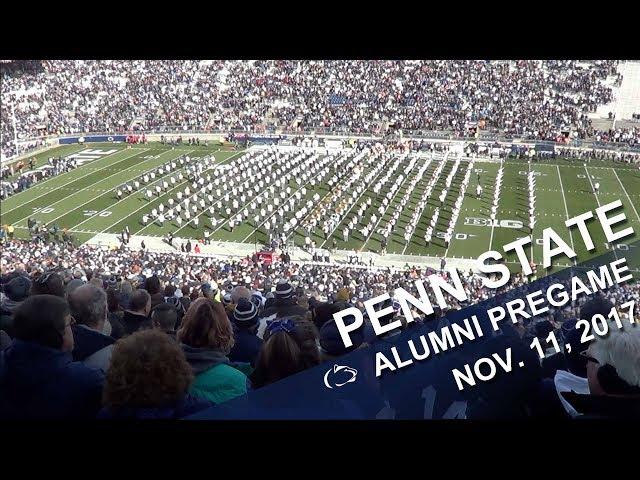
613 375
38 377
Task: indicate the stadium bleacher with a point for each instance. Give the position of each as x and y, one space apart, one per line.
216 258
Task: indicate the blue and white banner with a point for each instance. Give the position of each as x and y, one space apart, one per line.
92 139
469 364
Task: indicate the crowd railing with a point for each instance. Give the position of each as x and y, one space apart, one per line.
172 131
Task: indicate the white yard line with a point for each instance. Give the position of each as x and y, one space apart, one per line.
566 210
164 177
592 187
613 247
40 184
625 192
88 188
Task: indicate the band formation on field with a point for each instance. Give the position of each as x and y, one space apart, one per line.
416 204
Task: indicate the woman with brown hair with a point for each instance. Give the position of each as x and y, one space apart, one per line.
290 346
149 378
206 338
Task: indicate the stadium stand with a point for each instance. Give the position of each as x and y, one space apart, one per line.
118 332
529 99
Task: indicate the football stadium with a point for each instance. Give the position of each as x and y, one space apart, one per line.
118 187
241 201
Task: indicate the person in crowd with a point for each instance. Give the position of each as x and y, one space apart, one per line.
5 340
290 346
284 305
240 292
185 300
125 293
164 317
38 377
149 378
613 376
72 285
88 306
210 291
15 292
137 316
567 371
323 312
331 344
511 396
206 337
115 314
153 286
245 326
48 283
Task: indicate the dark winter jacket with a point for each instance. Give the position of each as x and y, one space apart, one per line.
133 322
38 382
604 406
6 315
188 405
156 299
5 340
284 307
117 327
92 347
246 348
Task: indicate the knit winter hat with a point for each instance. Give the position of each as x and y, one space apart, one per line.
245 313
284 290
331 341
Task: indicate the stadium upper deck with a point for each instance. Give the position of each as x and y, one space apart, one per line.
541 100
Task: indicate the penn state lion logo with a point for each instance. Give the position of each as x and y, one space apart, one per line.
339 375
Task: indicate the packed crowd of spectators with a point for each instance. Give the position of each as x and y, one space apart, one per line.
627 135
90 332
532 99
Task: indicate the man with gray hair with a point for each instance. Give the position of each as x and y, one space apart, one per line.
240 292
613 374
92 345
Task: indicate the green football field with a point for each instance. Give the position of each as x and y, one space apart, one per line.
84 201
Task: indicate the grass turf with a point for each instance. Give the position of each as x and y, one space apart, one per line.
84 201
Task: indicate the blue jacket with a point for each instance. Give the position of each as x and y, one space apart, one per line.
37 382
188 405
246 347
